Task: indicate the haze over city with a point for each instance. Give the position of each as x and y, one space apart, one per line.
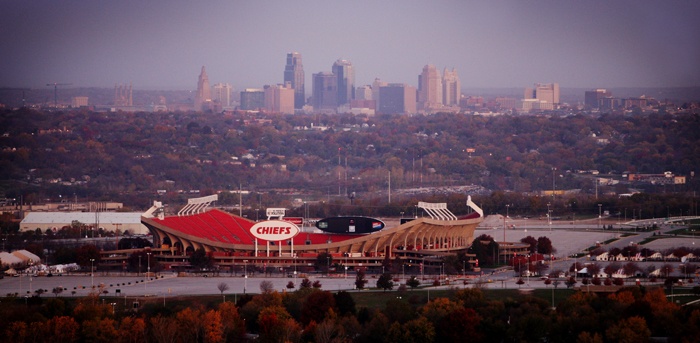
163 44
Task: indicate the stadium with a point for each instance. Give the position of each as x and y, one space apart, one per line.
418 243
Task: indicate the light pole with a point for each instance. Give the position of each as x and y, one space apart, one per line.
549 216
148 270
554 186
527 265
92 272
504 225
600 216
245 275
551 261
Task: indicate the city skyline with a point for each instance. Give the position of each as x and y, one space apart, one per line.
162 45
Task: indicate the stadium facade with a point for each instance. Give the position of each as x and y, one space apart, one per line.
229 241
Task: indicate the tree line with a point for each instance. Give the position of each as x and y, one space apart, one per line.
310 314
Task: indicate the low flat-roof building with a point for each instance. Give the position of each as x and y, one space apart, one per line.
109 221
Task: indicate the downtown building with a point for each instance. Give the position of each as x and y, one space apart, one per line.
397 98
294 75
451 88
592 98
252 99
543 96
279 98
325 92
345 78
429 90
202 99
221 95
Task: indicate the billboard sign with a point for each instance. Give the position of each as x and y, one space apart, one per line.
294 220
275 212
274 230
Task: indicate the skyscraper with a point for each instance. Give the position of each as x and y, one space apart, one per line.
279 98
430 89
294 74
222 94
203 96
397 98
123 95
345 77
451 88
592 98
252 99
325 91
547 92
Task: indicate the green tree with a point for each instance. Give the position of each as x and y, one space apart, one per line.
360 280
200 260
413 282
385 282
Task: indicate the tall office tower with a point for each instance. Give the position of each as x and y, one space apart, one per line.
294 74
345 76
375 89
363 93
203 96
123 95
222 94
252 99
397 98
429 89
548 92
279 98
451 88
325 91
592 98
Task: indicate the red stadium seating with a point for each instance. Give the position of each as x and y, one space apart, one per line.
219 226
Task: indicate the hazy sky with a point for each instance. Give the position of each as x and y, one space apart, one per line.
163 44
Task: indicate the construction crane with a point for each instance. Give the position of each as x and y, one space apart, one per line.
55 91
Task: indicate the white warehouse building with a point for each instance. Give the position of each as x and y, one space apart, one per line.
109 221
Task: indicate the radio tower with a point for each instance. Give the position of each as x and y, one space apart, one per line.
55 91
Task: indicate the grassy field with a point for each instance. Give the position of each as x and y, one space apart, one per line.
377 299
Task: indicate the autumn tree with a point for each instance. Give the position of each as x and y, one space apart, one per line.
628 330
233 327
190 324
131 330
62 329
273 321
531 241
85 253
164 329
99 330
544 246
213 327
419 330
316 307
